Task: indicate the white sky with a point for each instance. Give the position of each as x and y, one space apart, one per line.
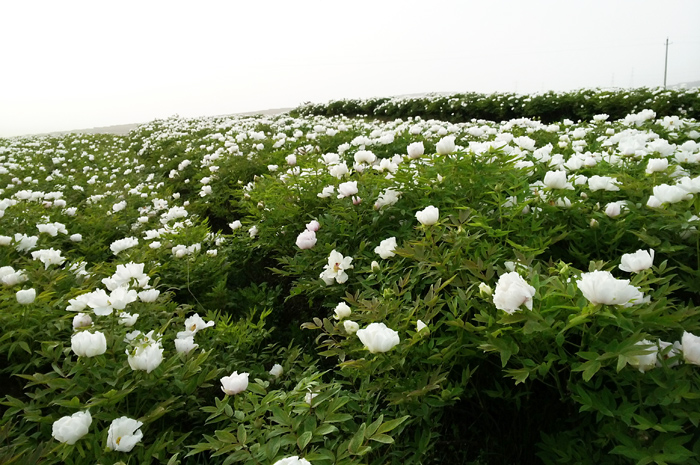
70 65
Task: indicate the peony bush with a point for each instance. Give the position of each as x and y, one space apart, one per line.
326 289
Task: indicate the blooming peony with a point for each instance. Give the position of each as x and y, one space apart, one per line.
600 287
234 384
276 370
347 189
145 357
185 345
378 338
511 292
638 261
342 310
86 344
71 428
446 145
193 324
690 344
124 434
385 249
415 150
306 239
335 269
26 296
428 216
350 326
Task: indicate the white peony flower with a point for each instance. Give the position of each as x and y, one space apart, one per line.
234 384
600 287
124 434
378 338
638 261
511 292
428 216
385 249
71 428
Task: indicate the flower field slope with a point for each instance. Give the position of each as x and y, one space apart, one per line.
335 289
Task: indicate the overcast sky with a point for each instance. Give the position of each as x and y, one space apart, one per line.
69 65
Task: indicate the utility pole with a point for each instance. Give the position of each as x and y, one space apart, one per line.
666 63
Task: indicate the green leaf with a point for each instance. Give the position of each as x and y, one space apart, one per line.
304 439
391 424
241 434
357 440
383 438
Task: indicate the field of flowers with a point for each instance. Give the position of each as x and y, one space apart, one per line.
333 289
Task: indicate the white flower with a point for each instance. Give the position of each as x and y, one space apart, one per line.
420 326
428 216
291 160
127 319
81 320
121 297
446 145
26 296
124 434
415 150
342 310
326 192
365 156
149 295
276 370
234 384
600 287
557 180
253 231
691 348
119 206
123 244
313 225
485 290
671 194
378 338
48 257
145 357
606 183
306 239
350 326
294 460
388 197
511 292
656 164
347 189
185 345
648 360
24 242
71 428
614 209
385 249
76 237
235 225
193 324
638 261
86 344
335 269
